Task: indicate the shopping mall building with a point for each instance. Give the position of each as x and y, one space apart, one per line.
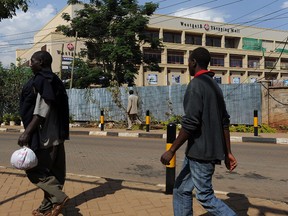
240 54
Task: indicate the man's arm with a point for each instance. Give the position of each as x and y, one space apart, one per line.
41 110
179 141
26 135
230 160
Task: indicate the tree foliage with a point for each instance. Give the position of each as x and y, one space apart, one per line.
114 32
9 7
85 75
11 82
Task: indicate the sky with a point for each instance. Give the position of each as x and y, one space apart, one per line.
17 33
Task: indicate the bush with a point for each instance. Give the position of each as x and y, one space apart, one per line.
250 129
266 129
7 118
176 119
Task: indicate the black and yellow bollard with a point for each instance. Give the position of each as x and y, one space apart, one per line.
170 169
102 120
147 121
255 123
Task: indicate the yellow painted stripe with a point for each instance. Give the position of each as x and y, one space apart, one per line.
102 119
173 160
255 121
147 119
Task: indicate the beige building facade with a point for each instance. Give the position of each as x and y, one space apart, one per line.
240 54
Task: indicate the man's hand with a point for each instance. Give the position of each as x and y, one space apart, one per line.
230 162
167 157
23 140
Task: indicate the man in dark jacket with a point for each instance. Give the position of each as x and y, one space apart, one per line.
206 127
45 114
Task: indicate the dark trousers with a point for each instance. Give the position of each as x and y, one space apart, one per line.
49 175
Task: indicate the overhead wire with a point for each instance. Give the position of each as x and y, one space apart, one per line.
183 9
152 17
174 4
219 6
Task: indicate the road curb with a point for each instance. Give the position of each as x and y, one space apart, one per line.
283 141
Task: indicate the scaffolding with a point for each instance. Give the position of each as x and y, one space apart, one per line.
253 44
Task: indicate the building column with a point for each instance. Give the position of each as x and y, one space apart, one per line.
186 57
161 33
141 75
204 39
183 37
223 41
245 62
240 43
278 66
245 77
164 56
262 59
227 60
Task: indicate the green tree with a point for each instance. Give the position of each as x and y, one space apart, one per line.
85 75
9 7
114 32
11 81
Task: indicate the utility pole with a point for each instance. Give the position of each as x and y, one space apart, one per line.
61 59
73 62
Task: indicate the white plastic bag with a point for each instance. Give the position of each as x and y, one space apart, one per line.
24 159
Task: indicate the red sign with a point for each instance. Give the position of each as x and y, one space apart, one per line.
70 46
206 27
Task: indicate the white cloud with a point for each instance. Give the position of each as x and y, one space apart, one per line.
202 13
285 4
17 33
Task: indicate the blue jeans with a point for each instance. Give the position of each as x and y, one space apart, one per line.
198 175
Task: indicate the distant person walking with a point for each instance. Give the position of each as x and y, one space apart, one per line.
132 110
45 114
206 127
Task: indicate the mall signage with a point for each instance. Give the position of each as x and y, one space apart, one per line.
208 27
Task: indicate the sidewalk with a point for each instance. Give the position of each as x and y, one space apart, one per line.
94 196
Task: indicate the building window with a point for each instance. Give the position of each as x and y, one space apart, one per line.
231 42
152 34
270 76
175 58
172 37
270 63
213 41
236 62
284 64
217 61
253 62
152 55
193 39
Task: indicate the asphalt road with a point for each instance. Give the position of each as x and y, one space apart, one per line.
262 169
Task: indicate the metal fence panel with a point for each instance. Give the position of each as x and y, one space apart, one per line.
161 101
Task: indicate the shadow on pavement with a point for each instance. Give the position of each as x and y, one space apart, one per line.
241 205
101 190
18 195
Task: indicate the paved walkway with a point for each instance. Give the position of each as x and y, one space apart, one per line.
101 196
98 196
